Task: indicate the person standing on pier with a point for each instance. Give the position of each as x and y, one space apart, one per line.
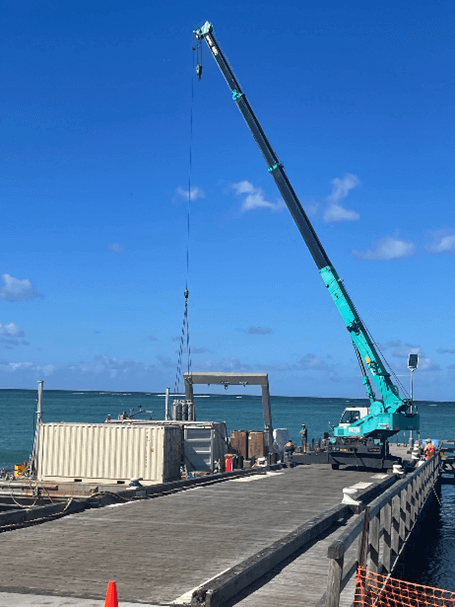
429 449
304 437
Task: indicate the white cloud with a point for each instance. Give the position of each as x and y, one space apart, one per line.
403 351
35 370
386 249
259 330
166 361
443 244
47 369
312 207
427 364
13 367
340 189
254 197
195 193
100 373
11 330
15 289
116 247
104 364
11 335
231 364
311 361
335 212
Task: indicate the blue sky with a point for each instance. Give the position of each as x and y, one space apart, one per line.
356 99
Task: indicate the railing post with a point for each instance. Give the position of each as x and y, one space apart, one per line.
364 539
403 495
334 582
413 501
387 538
419 488
395 527
336 564
374 544
408 507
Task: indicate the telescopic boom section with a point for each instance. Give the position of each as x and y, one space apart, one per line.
274 165
391 401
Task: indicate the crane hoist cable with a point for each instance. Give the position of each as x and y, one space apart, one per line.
185 332
197 46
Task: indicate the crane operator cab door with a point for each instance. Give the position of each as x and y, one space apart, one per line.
352 414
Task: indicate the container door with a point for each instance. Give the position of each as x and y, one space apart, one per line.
198 445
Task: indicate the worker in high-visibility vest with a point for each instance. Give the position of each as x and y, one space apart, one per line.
429 449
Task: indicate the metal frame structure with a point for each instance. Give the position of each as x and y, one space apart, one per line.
236 379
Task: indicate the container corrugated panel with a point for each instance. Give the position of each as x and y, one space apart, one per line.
109 452
204 444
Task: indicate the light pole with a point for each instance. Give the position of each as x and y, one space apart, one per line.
413 363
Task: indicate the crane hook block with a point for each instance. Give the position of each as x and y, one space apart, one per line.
199 70
186 294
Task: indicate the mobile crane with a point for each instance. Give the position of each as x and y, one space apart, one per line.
361 438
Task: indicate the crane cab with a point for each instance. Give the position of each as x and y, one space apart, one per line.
352 415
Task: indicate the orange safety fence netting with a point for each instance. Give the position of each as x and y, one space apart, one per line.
376 590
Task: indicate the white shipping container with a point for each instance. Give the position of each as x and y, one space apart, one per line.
204 443
109 453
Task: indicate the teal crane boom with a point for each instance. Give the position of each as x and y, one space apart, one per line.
390 413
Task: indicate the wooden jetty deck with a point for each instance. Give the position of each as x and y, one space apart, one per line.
159 550
203 546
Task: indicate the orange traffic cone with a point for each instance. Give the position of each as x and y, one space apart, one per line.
111 595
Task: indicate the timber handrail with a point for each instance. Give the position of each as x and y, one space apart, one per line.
390 517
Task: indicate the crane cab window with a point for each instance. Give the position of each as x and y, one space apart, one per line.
349 417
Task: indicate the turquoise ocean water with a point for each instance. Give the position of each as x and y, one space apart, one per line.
436 563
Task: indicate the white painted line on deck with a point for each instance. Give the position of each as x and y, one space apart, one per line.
248 479
185 599
122 504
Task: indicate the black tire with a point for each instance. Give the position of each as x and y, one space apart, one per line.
335 466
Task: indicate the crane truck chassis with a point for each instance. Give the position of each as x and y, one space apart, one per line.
363 452
363 440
